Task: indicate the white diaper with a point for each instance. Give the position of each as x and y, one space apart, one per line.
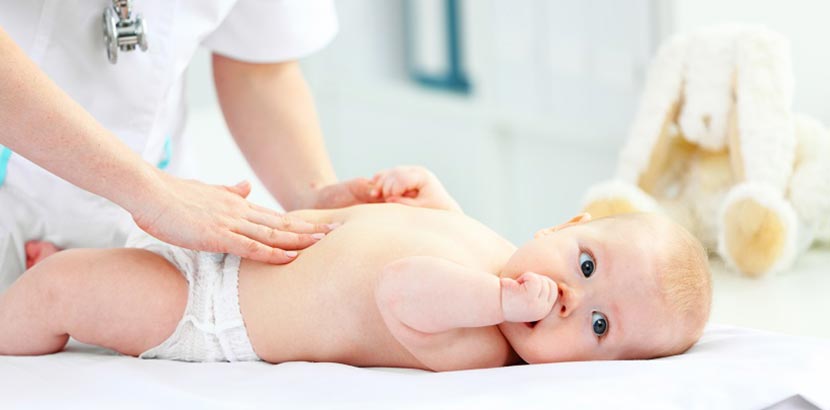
211 329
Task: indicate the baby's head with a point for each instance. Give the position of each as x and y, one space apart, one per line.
632 286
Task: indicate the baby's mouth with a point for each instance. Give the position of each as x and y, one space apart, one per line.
531 324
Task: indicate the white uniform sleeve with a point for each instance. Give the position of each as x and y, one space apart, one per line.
264 31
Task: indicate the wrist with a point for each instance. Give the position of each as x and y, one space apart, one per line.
146 186
503 283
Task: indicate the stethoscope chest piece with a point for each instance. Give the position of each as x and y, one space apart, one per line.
123 30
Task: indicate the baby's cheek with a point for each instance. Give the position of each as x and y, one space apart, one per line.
565 341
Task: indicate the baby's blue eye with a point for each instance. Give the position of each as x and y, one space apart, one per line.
586 264
599 323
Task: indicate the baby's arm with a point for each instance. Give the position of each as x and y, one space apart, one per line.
413 186
128 300
431 305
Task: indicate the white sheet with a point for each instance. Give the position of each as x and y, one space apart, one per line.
729 368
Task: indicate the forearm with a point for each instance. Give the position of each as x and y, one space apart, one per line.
432 295
270 112
43 124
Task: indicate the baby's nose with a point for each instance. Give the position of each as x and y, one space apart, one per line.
568 301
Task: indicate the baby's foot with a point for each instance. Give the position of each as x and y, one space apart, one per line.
37 251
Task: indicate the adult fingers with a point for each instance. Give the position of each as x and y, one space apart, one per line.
242 189
277 238
248 248
268 217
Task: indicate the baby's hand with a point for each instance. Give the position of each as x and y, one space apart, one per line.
411 185
400 182
528 298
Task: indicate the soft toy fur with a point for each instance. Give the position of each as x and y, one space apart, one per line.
716 146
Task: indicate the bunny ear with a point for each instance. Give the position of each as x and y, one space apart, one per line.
765 132
646 150
708 85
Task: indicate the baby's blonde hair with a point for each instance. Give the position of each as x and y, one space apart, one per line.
683 279
686 283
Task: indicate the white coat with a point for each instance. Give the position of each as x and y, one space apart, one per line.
140 99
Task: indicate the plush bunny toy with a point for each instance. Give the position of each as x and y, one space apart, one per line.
716 146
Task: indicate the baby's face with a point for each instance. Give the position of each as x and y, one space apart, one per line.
609 304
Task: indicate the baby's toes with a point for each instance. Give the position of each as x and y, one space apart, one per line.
37 251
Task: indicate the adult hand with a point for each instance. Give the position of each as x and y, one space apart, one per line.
217 218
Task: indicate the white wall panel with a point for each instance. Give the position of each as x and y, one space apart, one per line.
804 22
553 90
554 85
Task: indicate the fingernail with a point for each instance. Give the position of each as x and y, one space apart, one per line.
334 225
291 254
318 236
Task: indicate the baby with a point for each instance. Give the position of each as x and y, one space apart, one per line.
420 286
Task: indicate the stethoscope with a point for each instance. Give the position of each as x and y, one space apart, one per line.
122 29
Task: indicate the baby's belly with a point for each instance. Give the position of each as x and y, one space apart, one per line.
304 312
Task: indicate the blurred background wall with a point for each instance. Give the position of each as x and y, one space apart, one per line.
553 86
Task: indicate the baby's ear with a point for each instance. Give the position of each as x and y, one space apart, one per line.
581 218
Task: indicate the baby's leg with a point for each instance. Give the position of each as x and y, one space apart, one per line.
127 300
